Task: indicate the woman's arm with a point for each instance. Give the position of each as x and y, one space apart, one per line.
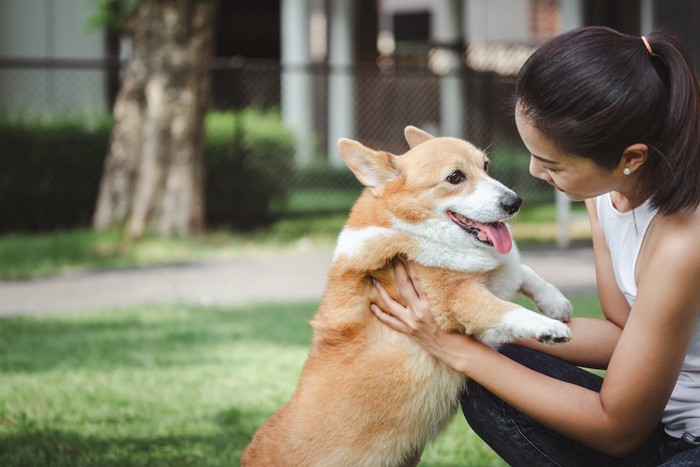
642 371
592 343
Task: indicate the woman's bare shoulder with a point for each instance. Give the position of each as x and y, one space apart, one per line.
677 234
672 251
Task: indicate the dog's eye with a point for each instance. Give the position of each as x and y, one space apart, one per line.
456 177
486 166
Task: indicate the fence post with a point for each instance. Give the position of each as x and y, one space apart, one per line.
572 17
297 102
563 220
452 96
341 94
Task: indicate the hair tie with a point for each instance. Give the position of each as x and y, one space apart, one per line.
646 44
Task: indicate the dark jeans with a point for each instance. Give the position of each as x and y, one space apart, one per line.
520 441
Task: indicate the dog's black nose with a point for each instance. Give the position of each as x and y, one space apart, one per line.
510 203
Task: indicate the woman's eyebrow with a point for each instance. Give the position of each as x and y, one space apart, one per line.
546 161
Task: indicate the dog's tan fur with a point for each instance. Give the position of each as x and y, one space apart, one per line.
369 396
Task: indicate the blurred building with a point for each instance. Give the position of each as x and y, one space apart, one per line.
331 66
33 34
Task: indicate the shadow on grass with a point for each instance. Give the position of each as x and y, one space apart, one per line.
35 446
146 336
57 448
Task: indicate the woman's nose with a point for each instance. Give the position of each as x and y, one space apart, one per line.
536 169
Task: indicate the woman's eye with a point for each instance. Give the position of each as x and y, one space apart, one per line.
486 166
456 177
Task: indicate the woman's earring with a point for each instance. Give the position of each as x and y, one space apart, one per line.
626 171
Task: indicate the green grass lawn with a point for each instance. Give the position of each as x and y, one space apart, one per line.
164 386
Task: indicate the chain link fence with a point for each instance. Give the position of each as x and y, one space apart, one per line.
55 127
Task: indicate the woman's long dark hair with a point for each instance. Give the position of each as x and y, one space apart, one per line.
594 92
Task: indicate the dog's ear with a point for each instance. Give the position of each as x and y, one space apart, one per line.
372 168
415 136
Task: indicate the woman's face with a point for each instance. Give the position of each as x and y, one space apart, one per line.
577 177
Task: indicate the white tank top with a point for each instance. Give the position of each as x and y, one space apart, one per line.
624 233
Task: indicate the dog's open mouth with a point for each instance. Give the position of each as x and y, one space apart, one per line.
495 234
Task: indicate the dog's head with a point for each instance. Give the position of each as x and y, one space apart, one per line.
438 189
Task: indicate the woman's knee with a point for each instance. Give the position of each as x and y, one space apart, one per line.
482 410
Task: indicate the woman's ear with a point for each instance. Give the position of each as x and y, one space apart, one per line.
634 156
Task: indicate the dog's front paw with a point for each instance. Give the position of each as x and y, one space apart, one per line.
525 324
555 305
549 300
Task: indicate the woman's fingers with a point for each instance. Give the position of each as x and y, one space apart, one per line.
403 280
392 313
415 280
411 291
390 305
387 319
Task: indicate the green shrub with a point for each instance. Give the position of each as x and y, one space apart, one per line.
323 176
250 160
50 172
321 188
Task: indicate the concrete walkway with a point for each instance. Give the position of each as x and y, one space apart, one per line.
267 277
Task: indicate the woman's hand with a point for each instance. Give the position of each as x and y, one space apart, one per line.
415 319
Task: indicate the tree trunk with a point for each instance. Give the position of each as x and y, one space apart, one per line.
153 175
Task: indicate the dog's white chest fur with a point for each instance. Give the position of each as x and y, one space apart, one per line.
458 254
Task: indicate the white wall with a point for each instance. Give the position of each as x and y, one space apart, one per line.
54 29
498 20
485 20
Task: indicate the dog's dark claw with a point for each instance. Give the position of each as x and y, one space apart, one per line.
553 340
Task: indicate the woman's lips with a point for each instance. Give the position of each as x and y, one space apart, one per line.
558 188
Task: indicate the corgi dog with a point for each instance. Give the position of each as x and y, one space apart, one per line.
371 396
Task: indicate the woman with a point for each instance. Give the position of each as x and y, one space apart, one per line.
613 120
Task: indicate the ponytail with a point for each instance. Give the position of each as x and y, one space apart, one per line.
674 169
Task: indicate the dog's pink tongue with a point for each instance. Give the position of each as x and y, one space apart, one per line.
499 235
